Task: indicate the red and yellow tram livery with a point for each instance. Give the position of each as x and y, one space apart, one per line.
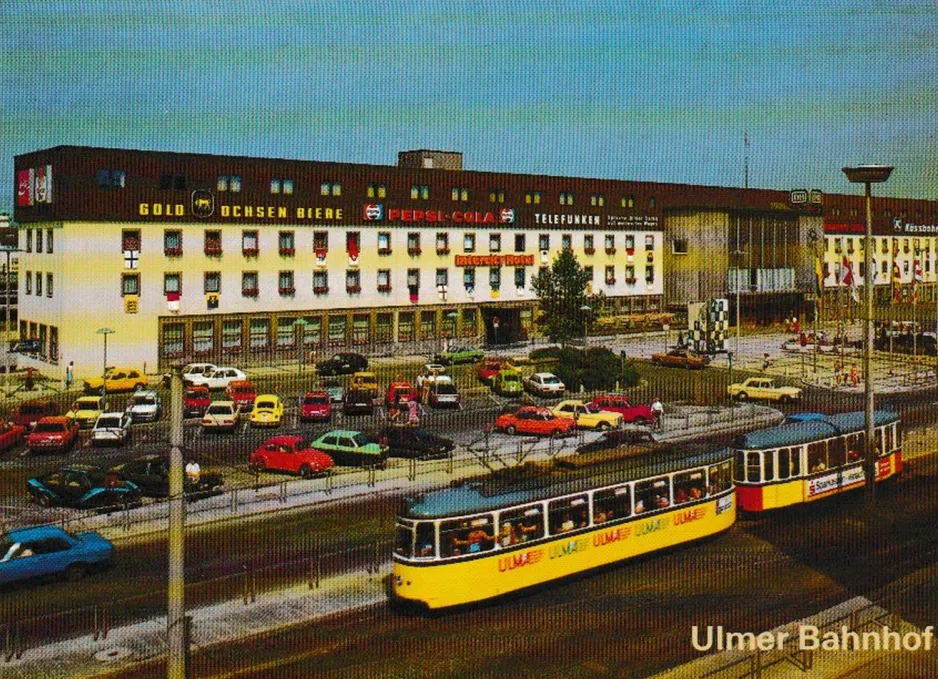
810 459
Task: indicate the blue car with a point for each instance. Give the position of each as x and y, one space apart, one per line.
83 486
38 551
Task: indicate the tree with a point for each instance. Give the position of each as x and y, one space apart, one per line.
561 292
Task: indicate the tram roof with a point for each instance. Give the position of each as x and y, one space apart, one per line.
797 433
480 496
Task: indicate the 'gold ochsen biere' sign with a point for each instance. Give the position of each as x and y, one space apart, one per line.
246 212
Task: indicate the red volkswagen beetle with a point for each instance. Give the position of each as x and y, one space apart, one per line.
290 454
316 406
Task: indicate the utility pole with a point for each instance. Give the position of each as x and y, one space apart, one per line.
176 625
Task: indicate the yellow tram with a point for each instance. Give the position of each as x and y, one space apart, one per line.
812 456
468 544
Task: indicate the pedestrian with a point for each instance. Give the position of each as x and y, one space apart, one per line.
412 412
69 375
854 375
193 470
657 412
787 325
766 361
838 368
796 323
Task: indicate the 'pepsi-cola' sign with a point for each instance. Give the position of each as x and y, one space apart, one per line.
376 213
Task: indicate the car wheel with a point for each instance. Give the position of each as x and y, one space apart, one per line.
785 399
555 432
510 429
742 396
43 500
306 471
75 572
603 426
259 466
640 421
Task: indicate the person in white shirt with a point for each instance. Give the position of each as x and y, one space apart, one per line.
657 410
193 470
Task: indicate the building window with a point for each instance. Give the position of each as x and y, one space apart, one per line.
286 244
532 197
130 240
460 193
320 282
275 185
38 284
53 343
29 240
384 242
330 189
284 186
610 275
285 283
588 244
353 244
353 281
497 196
221 183
235 184
649 274
203 337
566 241
495 277
38 240
442 243
29 283
649 242
176 182
566 198
520 276
249 284
495 242
519 242
609 243
231 336
213 243
469 242
112 179
469 278
173 334
588 270
259 333
627 201
49 241
130 284
413 280
679 246
413 243
48 285
249 243
286 332
172 282
419 192
442 277
543 241
321 242
630 243
652 203
377 191
212 281
597 200
384 280
172 243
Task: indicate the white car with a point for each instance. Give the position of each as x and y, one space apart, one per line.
221 416
216 378
433 373
146 406
190 370
111 429
544 384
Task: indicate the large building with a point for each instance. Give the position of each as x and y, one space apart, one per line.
249 260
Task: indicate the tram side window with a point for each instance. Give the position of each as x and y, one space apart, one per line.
796 461
688 486
467 536
754 467
520 525
898 434
719 478
854 447
817 457
837 452
652 494
403 540
740 466
784 463
567 514
611 504
426 541
887 430
768 457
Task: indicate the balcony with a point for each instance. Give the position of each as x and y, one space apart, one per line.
611 251
610 281
630 280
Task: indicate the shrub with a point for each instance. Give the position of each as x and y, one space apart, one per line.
596 369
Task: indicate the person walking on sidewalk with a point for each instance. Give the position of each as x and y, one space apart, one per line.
69 375
657 412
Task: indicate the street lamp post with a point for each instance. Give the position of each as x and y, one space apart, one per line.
6 318
453 316
105 332
815 239
300 324
586 308
868 175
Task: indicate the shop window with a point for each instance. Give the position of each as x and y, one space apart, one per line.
259 333
231 335
286 335
203 337
173 339
337 330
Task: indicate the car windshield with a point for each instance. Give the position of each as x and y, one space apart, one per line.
445 388
87 404
266 404
196 394
244 391
511 377
49 427
219 410
316 400
31 409
360 440
590 408
144 401
109 422
551 379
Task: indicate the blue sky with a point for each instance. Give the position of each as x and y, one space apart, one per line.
660 91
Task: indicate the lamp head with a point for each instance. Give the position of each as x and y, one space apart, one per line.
868 174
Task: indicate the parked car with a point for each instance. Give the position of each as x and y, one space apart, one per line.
37 551
444 395
10 434
508 382
82 486
112 429
333 387
221 416
459 354
216 378
289 454
85 410
117 379
358 402
763 388
415 442
189 370
431 373
347 447
587 416
488 368
30 412
150 474
195 400
681 358
315 406
343 363
268 411
616 438
637 414
533 420
243 393
365 381
400 392
52 435
146 406
544 384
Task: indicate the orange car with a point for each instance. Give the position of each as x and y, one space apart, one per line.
534 420
681 358
400 392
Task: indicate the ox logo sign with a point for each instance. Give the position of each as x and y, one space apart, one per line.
203 203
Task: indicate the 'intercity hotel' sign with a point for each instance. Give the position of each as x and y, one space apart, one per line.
494 260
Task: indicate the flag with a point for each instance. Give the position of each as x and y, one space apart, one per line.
847 278
916 278
818 281
896 283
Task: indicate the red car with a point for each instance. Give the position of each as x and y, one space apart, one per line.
30 412
289 454
640 414
488 369
52 435
316 406
195 401
534 420
10 434
242 392
401 392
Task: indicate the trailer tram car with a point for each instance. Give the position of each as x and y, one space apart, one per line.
812 458
467 544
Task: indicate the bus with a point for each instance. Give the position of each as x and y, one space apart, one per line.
479 541
813 457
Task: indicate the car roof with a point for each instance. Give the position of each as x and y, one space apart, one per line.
55 419
113 413
261 397
89 398
317 392
364 373
223 403
29 533
145 392
341 432
240 383
81 468
572 401
283 438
